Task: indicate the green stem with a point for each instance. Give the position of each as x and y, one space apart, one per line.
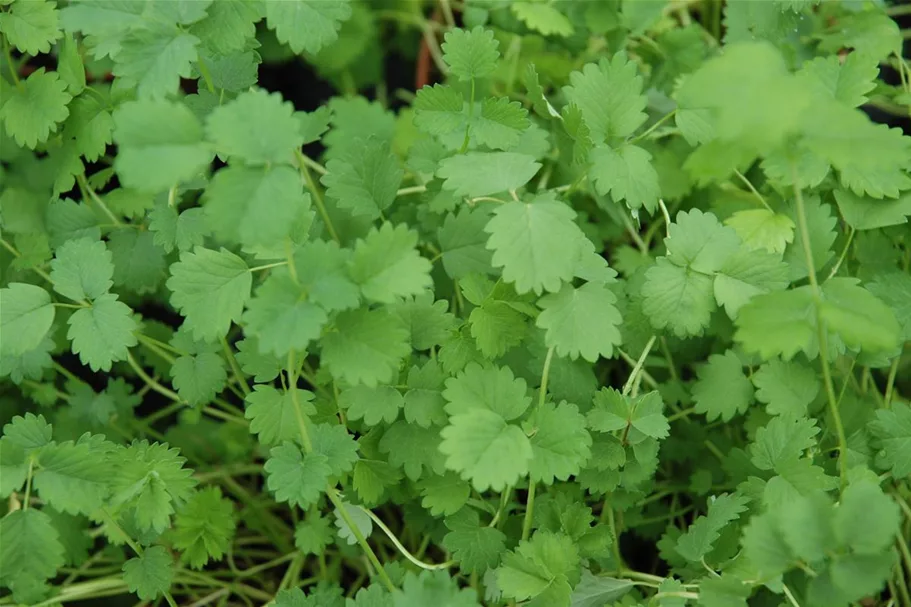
821 330
467 139
206 75
752 189
154 385
87 189
639 365
298 411
28 483
652 128
398 545
268 266
890 382
317 195
9 63
371 555
235 369
844 253
529 510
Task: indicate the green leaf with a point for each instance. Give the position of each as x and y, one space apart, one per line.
701 536
470 54
724 591
296 477
463 243
496 327
82 269
149 481
722 389
254 206
445 494
867 520
204 528
476 547
643 414
31 550
596 591
150 573
198 379
371 478
438 109
210 289
374 405
139 263
313 534
560 445
272 414
494 389
892 427
364 181
413 448
154 60
857 316
762 229
746 274
102 333
778 324
867 213
387 266
782 440
543 18
626 174
229 25
787 388
32 26
26 315
545 563
31 112
871 159
483 448
676 299
159 145
483 173
610 97
500 124
281 315
72 477
433 588
29 432
537 244
257 127
307 25
583 321
848 81
366 348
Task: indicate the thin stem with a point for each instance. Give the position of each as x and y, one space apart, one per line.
821 330
317 195
206 75
268 266
415 189
298 411
85 187
844 253
639 364
652 128
791 599
447 13
235 369
16 253
529 510
667 216
154 385
631 230
9 63
28 483
467 139
545 375
398 545
890 382
313 164
371 555
752 189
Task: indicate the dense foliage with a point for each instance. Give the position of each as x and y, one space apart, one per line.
613 310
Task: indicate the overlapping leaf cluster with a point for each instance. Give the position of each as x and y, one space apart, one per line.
619 283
